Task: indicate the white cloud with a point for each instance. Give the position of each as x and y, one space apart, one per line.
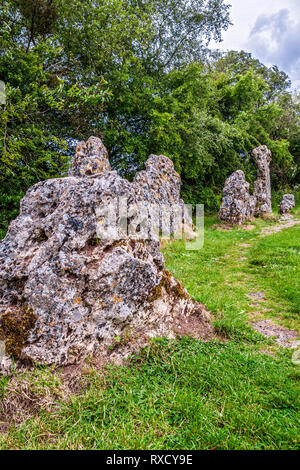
276 38
270 30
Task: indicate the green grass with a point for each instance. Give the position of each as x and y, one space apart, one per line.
176 395
275 264
225 272
184 394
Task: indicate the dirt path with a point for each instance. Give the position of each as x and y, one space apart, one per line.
277 228
284 337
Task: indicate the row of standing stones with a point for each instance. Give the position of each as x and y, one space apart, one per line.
238 206
65 294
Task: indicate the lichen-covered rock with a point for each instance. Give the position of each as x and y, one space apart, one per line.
65 293
91 158
159 182
237 204
159 185
262 186
287 204
251 208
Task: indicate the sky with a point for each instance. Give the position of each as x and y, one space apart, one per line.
270 30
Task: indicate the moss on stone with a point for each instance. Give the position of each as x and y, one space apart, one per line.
156 293
15 329
176 290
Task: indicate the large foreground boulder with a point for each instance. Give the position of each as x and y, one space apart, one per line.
262 186
67 291
287 204
237 204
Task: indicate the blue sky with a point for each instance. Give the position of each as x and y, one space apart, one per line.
270 30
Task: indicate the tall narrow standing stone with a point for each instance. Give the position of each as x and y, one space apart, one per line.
91 158
262 186
237 204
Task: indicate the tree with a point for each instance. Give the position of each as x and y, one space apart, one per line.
135 73
183 29
70 69
43 109
207 122
39 17
240 62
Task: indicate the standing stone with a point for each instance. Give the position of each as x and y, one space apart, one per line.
160 185
287 204
237 204
262 186
65 292
91 158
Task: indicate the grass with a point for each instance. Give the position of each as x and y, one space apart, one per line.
184 394
175 395
274 263
226 271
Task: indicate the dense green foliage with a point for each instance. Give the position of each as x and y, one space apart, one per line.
139 74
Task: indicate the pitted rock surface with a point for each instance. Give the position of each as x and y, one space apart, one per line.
159 182
237 204
160 185
91 158
287 204
65 293
262 186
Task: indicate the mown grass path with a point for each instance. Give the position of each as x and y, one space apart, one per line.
244 274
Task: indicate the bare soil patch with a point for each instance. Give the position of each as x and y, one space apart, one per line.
4 426
195 325
257 296
279 227
283 336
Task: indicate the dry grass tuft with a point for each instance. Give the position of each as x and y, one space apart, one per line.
28 394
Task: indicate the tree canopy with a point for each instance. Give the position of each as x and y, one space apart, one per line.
139 74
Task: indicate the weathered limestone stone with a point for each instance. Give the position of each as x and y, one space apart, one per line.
250 208
287 204
65 293
237 204
160 185
262 186
91 158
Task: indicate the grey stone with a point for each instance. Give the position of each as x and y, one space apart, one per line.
237 204
287 204
262 186
91 158
65 293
